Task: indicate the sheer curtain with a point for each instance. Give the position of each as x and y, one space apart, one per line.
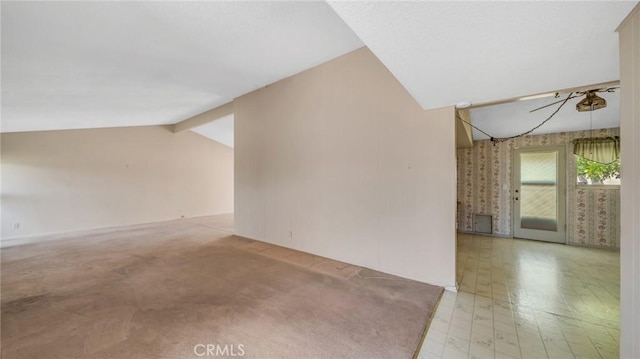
602 149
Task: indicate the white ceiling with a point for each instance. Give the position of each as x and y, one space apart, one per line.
108 64
220 130
513 118
445 52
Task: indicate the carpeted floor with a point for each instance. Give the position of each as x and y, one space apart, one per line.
177 289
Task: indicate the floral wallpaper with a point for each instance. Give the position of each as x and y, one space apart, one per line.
484 186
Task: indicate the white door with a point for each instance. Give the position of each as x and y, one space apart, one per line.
539 192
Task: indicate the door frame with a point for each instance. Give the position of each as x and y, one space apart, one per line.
562 188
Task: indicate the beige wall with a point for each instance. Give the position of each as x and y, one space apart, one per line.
340 161
60 181
485 182
630 191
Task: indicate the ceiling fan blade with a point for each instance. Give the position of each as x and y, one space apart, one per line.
553 103
609 89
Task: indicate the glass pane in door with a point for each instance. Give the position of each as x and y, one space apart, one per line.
538 190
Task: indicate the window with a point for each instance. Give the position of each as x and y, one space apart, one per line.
594 173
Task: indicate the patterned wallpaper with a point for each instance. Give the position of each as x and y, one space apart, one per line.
484 186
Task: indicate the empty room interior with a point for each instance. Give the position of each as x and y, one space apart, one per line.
284 179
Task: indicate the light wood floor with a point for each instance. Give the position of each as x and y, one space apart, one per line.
528 299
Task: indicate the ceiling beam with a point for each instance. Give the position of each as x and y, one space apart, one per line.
203 118
547 94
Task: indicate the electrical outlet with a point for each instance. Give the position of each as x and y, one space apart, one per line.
16 225
291 234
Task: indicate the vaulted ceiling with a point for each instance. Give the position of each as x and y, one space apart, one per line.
108 64
445 52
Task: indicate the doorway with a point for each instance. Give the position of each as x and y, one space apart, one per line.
539 194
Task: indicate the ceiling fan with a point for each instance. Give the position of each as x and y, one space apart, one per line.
591 101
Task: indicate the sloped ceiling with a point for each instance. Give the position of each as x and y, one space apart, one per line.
108 64
220 130
445 52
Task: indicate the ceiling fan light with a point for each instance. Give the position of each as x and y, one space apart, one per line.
591 102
